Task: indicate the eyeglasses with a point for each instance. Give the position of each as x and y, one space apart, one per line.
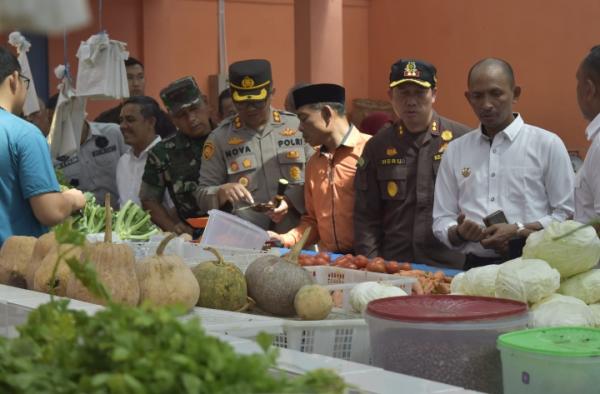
26 80
247 104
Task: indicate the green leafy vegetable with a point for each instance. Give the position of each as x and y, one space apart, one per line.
92 218
134 223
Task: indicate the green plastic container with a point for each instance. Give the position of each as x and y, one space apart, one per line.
558 360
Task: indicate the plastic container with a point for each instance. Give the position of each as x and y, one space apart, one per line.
449 339
342 281
224 229
554 360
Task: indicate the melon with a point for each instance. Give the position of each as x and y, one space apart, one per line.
223 284
43 246
273 281
115 267
167 280
15 256
313 302
42 279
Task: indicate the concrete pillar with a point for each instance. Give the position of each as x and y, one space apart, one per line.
318 28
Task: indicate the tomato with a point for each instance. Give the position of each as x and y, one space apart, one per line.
392 267
376 265
405 267
349 265
320 261
340 260
324 255
305 260
361 261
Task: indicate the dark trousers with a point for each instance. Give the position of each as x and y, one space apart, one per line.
515 249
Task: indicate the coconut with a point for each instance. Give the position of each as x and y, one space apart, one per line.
115 268
167 280
43 246
223 284
15 257
273 281
313 302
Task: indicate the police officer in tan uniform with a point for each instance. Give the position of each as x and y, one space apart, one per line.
245 156
396 174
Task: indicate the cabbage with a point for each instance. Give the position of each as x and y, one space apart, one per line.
596 312
365 292
571 255
481 281
559 310
526 280
457 286
584 286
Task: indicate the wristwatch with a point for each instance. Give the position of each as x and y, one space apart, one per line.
520 227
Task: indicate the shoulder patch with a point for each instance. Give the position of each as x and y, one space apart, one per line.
208 151
276 116
237 122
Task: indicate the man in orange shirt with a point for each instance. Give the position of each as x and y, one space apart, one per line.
329 179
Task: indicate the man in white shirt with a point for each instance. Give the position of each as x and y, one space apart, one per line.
505 164
138 125
587 181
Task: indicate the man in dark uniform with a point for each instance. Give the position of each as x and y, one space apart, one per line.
247 154
174 163
396 174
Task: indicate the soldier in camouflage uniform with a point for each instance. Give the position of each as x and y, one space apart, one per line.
248 153
174 163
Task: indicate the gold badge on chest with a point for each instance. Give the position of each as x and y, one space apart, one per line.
391 151
392 188
235 141
447 136
287 132
295 173
466 172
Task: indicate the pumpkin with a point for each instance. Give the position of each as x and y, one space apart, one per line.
273 281
43 275
115 267
167 280
43 246
15 256
223 284
313 302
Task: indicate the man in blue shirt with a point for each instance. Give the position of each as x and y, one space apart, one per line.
30 197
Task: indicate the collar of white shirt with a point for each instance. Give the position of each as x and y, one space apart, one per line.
511 131
145 151
593 128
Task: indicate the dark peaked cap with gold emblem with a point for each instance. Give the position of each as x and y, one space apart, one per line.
415 71
250 80
319 93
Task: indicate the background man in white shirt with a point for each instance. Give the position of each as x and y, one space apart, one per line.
138 125
587 181
505 165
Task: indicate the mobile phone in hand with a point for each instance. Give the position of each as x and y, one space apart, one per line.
495 218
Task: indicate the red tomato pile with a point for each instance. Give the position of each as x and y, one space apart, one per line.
427 282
